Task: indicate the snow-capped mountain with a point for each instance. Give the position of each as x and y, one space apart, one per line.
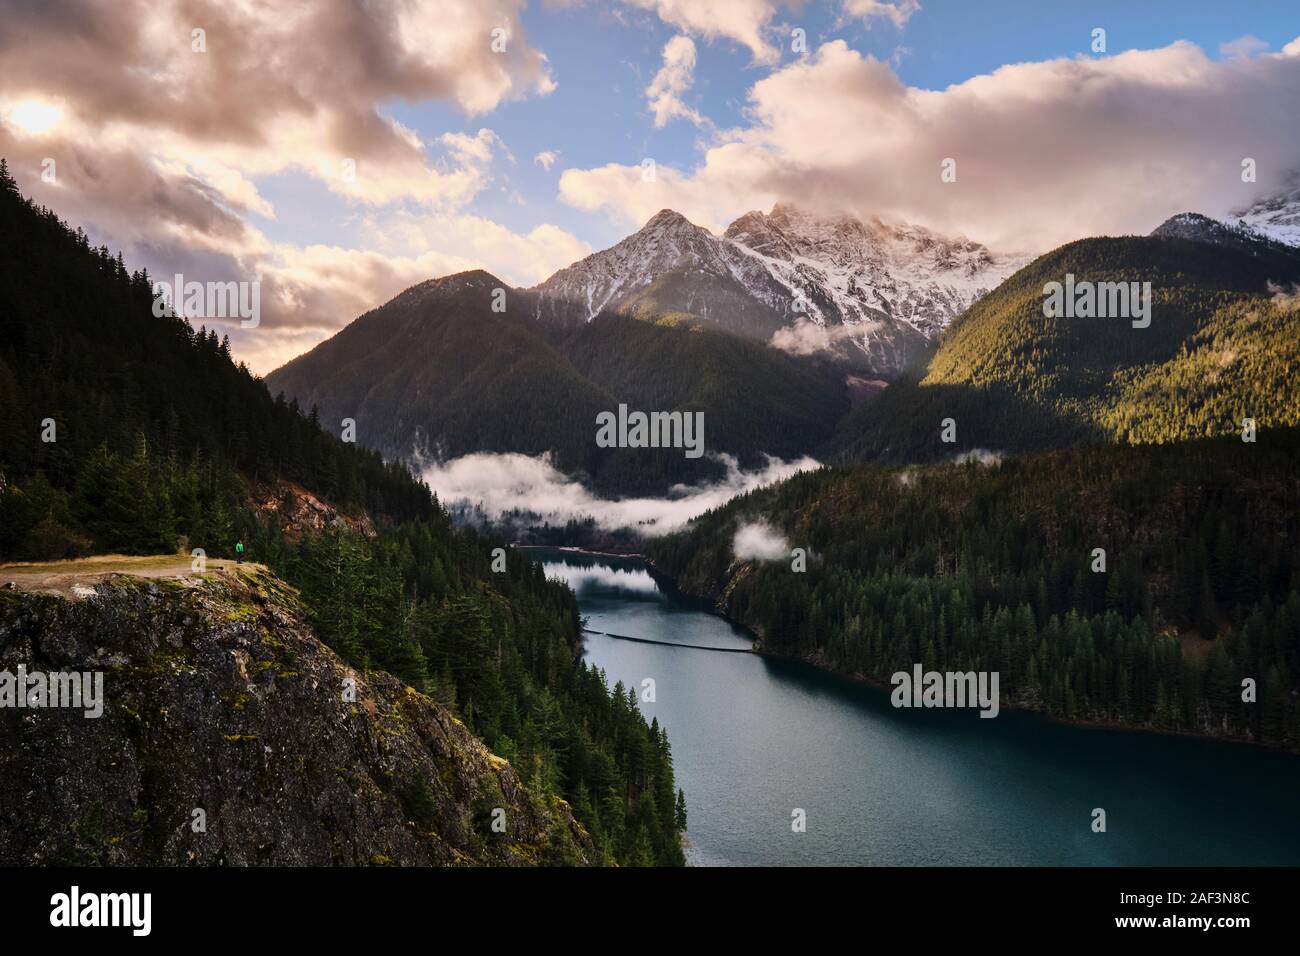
1193 225
1239 234
1276 217
852 272
872 292
670 265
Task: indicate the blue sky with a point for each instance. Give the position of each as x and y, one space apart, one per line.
226 161
603 59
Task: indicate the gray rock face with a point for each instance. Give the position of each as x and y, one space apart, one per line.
1277 216
873 293
670 265
1198 228
1239 235
218 697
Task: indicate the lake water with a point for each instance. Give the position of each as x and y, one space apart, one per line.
755 739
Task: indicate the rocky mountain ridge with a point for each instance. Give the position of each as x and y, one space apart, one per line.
1277 216
871 292
231 736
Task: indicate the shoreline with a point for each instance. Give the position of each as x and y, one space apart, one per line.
634 555
864 680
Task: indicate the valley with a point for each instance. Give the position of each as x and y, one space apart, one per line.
1012 404
757 738
444 437
227 689
620 327
776 329
435 374
870 485
1106 585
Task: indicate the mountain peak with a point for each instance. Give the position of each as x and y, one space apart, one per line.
452 284
1191 225
788 210
669 219
1240 235
890 288
469 279
1276 216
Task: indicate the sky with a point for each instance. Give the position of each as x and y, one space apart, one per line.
338 152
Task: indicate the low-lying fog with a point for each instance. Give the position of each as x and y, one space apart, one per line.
504 483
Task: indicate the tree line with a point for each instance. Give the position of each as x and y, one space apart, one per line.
159 438
1129 585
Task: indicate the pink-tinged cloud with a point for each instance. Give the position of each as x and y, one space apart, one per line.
157 118
1044 152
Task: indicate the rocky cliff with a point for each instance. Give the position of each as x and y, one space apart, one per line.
876 295
231 735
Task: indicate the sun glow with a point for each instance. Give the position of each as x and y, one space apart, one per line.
32 117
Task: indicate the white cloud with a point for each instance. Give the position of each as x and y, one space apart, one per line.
502 483
805 337
759 541
1045 152
546 158
708 200
741 21
521 259
1284 297
673 79
897 12
160 149
980 456
309 292
279 86
1244 46
469 150
160 214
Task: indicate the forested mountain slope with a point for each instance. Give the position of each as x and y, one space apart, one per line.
871 294
1222 345
220 700
437 370
162 439
756 401
976 567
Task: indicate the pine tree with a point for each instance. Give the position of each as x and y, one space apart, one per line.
7 184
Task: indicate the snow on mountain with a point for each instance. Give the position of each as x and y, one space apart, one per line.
852 272
1193 225
877 291
1240 234
1276 217
668 244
